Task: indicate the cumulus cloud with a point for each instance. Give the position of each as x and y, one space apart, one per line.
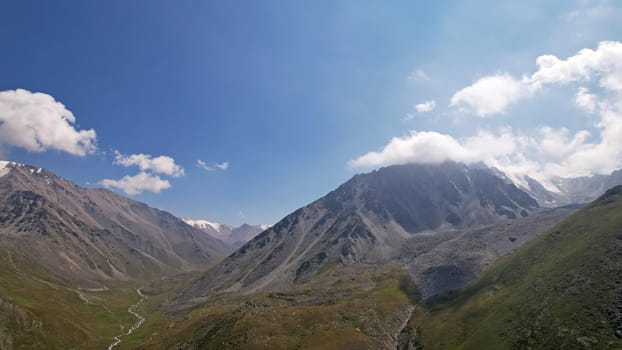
37 122
418 147
585 100
545 153
133 185
218 166
551 153
159 165
425 107
432 147
604 64
492 95
145 180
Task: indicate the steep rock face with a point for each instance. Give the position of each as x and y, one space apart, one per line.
367 220
87 235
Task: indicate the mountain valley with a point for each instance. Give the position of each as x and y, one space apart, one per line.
369 265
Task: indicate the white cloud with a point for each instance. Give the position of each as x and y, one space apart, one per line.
221 166
585 100
604 63
432 148
133 185
425 107
145 180
37 122
544 153
490 95
418 147
201 164
160 165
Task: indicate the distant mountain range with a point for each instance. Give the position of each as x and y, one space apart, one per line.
234 236
90 236
565 191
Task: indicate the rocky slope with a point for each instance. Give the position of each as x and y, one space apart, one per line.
89 236
449 260
367 220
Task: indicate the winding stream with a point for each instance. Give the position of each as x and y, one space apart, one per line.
141 319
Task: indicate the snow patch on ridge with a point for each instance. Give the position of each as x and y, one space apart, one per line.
4 167
205 224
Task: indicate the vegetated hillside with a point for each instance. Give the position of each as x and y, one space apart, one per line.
367 220
40 311
357 307
71 259
562 290
90 236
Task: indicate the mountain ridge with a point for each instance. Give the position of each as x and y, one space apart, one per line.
94 234
235 236
366 220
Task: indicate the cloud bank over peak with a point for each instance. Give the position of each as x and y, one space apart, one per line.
37 122
544 153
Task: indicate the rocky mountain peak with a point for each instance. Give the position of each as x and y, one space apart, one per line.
367 220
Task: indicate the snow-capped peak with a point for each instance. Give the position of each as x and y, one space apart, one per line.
205 224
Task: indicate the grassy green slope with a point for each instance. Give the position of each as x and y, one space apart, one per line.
357 308
39 311
563 290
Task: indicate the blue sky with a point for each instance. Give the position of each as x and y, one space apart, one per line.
291 95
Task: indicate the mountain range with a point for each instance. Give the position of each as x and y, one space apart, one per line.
357 259
368 220
89 236
234 236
